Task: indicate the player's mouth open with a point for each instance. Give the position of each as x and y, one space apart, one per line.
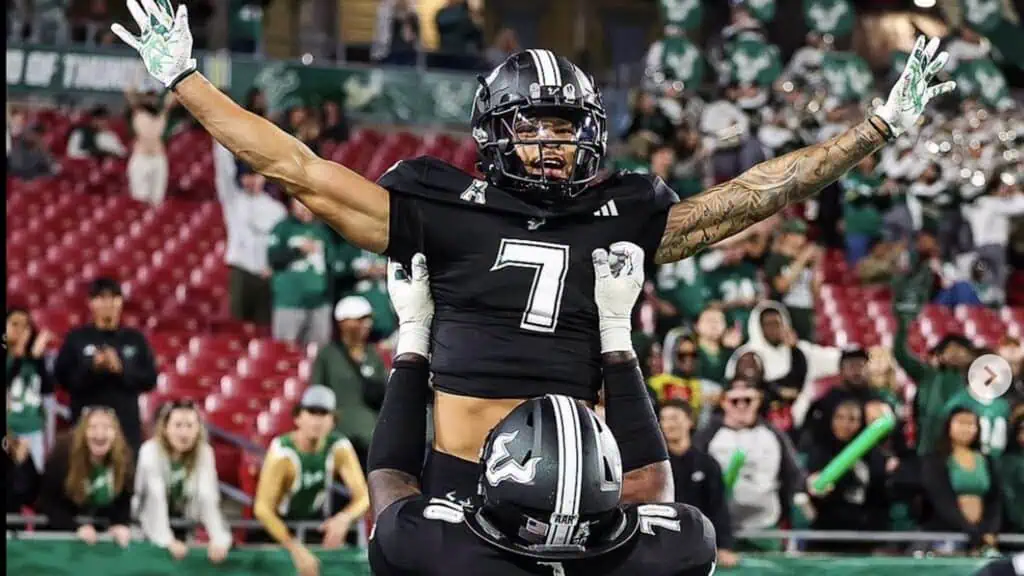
551 167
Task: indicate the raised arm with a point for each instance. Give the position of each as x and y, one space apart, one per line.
629 413
770 186
396 458
352 205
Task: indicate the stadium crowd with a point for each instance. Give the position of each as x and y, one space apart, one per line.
758 346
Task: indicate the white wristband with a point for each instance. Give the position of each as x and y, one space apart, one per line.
413 339
616 335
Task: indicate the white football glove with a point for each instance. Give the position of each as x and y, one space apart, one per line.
619 278
911 93
414 306
165 42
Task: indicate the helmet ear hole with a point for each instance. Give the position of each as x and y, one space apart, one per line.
609 476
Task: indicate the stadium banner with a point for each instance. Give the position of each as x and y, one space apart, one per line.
391 95
73 558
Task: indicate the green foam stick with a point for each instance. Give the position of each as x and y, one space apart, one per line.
845 460
732 471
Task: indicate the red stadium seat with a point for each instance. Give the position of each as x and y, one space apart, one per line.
274 424
221 345
267 367
212 365
250 387
243 405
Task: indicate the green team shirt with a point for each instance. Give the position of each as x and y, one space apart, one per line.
100 492
993 420
799 300
712 364
246 20
682 285
24 397
681 60
375 290
304 283
732 283
176 488
860 214
833 17
683 14
307 496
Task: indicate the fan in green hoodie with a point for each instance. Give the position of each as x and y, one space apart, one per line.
936 385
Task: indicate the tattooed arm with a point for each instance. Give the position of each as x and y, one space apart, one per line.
765 189
771 186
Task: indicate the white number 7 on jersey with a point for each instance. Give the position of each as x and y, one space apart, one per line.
550 263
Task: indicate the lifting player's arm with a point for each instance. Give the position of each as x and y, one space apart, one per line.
396 458
770 186
352 205
619 278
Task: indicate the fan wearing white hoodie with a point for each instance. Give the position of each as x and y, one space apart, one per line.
791 366
176 478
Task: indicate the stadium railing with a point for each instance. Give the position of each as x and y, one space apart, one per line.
60 554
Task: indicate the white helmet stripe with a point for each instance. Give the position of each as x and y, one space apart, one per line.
565 516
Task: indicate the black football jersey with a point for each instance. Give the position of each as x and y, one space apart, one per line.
513 284
422 536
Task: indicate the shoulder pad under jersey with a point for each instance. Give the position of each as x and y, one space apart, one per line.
438 181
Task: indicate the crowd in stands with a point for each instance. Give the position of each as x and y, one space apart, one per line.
762 345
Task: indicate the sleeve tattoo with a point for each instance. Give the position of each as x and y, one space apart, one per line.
765 189
389 486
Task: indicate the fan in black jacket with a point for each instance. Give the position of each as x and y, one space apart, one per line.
698 477
105 364
858 501
90 474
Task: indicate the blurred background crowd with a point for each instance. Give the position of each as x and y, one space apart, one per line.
183 275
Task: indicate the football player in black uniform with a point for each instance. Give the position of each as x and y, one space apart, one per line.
511 252
550 479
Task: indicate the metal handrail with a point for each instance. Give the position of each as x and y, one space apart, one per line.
23 521
810 535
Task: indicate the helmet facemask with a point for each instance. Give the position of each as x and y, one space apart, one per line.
549 153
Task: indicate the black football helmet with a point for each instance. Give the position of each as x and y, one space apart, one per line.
529 86
550 484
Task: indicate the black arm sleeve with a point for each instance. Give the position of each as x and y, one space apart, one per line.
404 417
630 416
935 479
718 511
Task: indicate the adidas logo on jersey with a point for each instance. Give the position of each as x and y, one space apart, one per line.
609 209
